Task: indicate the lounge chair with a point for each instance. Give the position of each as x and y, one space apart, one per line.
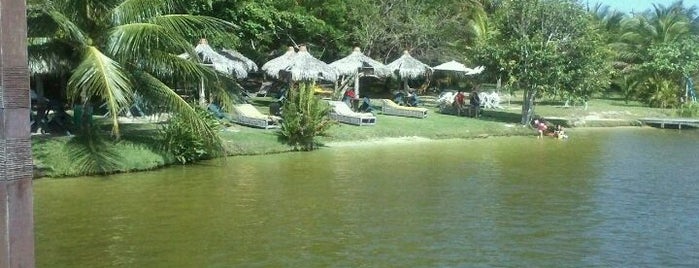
391 108
342 113
248 115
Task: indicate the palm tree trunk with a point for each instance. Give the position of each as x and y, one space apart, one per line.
202 93
16 201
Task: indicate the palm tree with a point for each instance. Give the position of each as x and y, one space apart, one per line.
116 49
642 37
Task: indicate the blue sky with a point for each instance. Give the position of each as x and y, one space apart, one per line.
638 5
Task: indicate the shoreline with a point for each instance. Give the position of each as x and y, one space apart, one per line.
49 163
377 141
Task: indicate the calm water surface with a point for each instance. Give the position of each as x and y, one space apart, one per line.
604 198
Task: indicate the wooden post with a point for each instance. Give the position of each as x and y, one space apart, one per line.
16 207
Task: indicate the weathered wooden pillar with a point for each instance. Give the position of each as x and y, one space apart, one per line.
16 209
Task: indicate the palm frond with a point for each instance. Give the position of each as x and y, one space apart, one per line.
70 30
166 65
101 77
138 39
192 25
92 154
223 90
133 11
157 92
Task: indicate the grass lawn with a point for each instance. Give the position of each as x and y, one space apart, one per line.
57 156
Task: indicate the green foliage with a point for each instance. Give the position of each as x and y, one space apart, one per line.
91 153
185 144
655 51
433 31
690 109
266 25
546 48
304 118
660 92
107 51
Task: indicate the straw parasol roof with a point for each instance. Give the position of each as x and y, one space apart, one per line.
39 66
250 65
274 66
458 67
219 62
356 60
408 67
304 66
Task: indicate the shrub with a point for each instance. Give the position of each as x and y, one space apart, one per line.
183 142
304 117
690 109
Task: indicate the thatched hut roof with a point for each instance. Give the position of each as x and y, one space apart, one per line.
40 66
273 66
250 65
357 60
304 67
408 67
220 62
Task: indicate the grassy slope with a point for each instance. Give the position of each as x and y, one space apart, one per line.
138 149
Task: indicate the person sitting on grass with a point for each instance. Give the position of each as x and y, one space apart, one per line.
349 96
540 128
399 98
413 99
560 132
366 106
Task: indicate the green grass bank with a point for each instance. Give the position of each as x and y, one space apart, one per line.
138 150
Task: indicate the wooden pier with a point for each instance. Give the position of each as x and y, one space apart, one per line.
675 123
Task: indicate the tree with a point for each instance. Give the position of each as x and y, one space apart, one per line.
119 48
659 49
429 29
546 47
268 25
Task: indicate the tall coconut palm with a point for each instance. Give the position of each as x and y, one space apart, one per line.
118 48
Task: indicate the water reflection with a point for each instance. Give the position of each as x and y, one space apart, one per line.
602 198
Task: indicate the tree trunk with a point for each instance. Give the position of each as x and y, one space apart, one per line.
202 93
16 201
528 106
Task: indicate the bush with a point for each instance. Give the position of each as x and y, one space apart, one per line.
690 109
185 144
304 117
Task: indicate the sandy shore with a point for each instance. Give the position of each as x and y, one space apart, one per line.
378 141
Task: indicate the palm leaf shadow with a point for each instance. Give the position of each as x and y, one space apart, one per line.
93 154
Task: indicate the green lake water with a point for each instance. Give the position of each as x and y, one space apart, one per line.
604 198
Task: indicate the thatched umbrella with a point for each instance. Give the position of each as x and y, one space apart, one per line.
305 67
219 62
250 65
274 66
356 64
408 67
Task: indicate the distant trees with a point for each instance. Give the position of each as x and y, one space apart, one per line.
656 51
546 48
429 29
